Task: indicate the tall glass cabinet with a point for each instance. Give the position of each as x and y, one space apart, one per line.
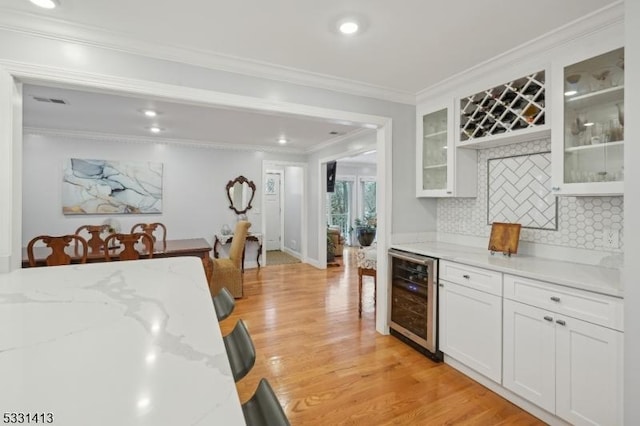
590 146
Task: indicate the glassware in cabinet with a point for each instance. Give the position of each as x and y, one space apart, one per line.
590 154
441 169
434 150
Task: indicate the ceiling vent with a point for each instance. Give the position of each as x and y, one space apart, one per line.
50 100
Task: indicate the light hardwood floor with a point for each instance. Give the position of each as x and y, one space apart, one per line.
328 367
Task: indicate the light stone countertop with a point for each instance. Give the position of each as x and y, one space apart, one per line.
117 343
580 276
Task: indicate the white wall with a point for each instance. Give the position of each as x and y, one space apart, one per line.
194 198
293 189
631 274
94 63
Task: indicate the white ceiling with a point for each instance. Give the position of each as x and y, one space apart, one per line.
109 114
405 46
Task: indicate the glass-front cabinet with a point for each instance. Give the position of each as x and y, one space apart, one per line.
437 161
588 142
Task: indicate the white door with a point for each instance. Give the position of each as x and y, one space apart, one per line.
529 353
589 373
470 328
273 211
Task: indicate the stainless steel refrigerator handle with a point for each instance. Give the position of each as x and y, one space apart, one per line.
425 262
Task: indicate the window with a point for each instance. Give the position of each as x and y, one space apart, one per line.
339 205
368 191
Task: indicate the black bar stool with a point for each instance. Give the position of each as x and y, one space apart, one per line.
224 303
264 409
240 350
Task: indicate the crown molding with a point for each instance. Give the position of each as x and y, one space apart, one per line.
112 137
61 30
594 22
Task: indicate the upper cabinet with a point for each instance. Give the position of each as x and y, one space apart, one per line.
588 135
507 113
441 170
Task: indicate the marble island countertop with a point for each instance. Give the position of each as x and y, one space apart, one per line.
117 343
581 276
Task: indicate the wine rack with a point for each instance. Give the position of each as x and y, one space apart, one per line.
510 107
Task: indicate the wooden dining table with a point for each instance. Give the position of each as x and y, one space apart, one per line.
198 247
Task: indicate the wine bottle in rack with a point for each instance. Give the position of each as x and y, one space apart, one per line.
498 110
499 129
531 89
508 118
519 125
508 97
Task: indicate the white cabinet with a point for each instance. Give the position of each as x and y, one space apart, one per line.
441 170
568 366
529 354
470 320
588 134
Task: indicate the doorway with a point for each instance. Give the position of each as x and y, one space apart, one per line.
273 210
13 74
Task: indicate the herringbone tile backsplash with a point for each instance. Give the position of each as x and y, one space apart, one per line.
580 219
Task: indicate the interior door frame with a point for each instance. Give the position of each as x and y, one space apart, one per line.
281 196
11 140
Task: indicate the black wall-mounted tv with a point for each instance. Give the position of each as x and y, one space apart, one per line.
331 176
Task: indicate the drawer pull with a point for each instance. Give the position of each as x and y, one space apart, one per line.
466 276
441 285
555 298
561 322
548 318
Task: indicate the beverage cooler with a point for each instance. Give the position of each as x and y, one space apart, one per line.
414 301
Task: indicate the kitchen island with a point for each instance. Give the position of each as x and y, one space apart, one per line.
118 343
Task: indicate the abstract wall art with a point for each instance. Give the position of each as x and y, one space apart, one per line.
111 187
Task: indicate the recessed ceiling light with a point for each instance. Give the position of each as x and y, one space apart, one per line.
282 141
46 4
150 113
155 129
348 27
570 92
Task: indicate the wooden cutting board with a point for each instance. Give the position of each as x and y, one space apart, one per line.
504 237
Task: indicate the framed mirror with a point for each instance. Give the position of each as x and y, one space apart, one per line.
240 192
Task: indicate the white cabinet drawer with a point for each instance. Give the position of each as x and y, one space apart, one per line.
592 307
472 277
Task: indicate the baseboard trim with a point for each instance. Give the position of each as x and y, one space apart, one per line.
292 253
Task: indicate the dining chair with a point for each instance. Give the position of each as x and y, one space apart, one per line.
58 245
154 230
95 242
263 408
224 304
240 350
228 272
128 243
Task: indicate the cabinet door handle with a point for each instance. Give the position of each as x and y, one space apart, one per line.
466 276
548 318
555 298
561 322
449 192
555 188
441 285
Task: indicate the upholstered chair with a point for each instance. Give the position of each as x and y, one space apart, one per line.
228 272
